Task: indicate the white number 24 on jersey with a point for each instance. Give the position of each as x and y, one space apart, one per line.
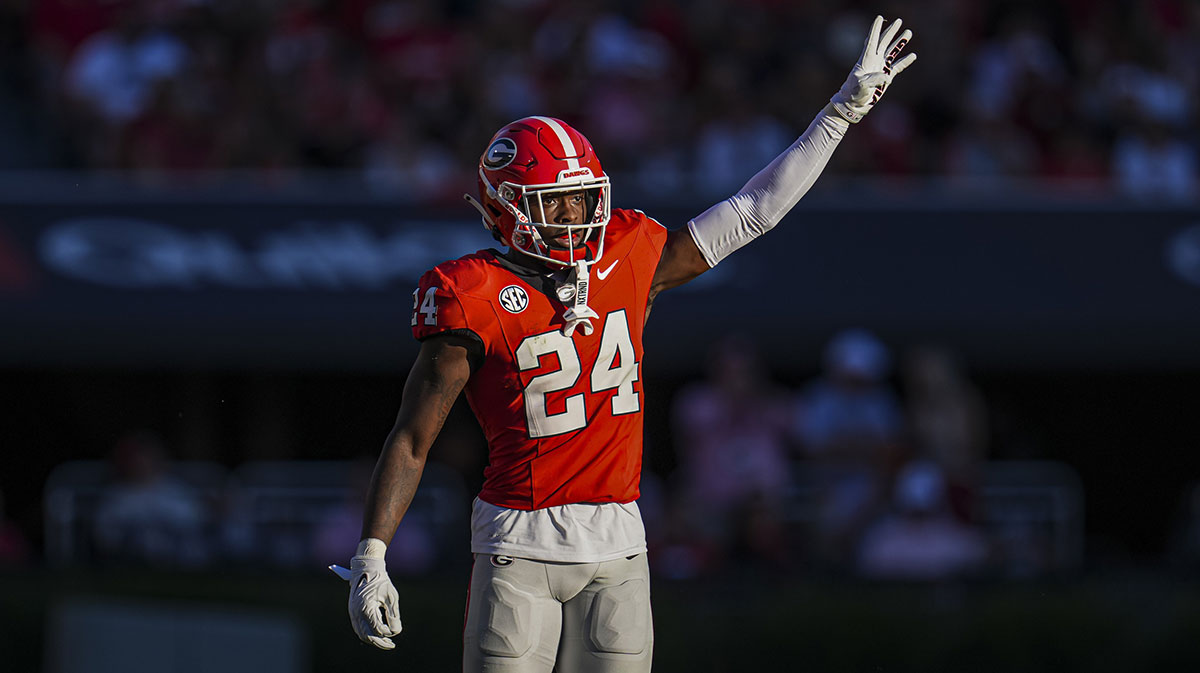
615 368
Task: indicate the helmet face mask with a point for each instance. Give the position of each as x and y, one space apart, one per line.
540 158
538 237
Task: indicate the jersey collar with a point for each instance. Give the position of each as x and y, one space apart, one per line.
544 280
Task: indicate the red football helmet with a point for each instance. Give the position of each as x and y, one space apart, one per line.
528 160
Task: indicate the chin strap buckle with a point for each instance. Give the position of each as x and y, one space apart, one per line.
579 313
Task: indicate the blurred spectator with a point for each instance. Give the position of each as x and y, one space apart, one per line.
112 75
731 443
849 422
114 71
14 548
1022 55
737 140
920 539
1151 157
145 515
948 423
1151 161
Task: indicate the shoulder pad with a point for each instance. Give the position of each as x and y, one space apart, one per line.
469 272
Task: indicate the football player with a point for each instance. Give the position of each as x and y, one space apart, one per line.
545 337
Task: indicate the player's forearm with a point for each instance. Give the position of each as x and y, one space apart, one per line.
769 195
393 486
437 377
772 192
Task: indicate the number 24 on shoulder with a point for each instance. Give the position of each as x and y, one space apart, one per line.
427 308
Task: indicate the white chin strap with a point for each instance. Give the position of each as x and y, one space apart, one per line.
579 313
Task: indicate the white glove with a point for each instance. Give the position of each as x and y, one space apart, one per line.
875 70
374 603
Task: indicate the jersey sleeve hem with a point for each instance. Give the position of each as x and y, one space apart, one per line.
475 352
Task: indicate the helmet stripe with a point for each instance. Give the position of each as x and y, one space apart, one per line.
569 150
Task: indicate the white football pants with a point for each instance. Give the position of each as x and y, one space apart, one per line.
528 616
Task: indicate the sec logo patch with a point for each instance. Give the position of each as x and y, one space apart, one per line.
514 299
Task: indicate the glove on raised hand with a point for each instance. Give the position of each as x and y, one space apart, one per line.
874 72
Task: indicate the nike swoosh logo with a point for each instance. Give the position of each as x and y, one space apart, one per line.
604 273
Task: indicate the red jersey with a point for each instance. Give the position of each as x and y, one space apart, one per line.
562 415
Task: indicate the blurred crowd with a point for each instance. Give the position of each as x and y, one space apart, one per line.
883 463
850 474
676 96
867 469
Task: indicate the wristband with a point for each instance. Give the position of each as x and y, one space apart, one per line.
371 547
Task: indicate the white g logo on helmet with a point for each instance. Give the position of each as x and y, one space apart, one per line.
500 154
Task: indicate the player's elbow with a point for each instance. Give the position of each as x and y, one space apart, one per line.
408 447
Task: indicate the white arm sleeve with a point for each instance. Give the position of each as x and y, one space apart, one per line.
770 194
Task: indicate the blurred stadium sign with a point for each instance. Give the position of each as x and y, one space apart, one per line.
305 254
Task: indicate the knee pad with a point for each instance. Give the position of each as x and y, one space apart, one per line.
620 618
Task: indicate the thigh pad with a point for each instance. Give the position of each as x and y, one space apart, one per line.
619 622
511 621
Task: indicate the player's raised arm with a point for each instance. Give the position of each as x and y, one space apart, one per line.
768 196
437 377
